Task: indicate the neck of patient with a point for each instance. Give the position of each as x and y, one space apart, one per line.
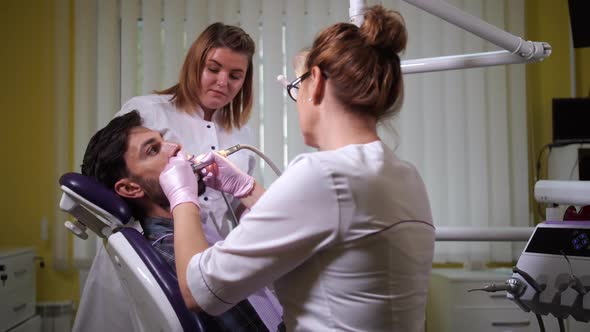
155 210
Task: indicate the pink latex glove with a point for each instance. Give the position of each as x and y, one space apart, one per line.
179 183
225 176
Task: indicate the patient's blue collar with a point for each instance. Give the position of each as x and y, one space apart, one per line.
155 226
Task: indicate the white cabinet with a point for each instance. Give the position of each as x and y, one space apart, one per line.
17 290
452 308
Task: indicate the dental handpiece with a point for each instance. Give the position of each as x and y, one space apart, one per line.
199 165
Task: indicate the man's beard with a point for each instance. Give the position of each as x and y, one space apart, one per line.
153 191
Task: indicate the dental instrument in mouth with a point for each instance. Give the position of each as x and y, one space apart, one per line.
198 165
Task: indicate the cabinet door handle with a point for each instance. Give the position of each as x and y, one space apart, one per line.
20 273
511 324
19 307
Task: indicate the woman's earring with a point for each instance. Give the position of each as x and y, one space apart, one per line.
309 99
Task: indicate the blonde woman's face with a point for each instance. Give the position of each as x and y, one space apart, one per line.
222 77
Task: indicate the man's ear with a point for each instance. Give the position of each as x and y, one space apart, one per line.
318 85
128 189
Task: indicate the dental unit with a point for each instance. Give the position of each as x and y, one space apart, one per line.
552 275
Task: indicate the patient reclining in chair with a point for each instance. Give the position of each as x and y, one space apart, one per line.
128 158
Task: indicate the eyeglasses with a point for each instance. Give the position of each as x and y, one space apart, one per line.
293 88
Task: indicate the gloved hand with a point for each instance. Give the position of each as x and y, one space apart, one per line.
179 183
225 176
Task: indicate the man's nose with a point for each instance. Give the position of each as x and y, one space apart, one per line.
170 149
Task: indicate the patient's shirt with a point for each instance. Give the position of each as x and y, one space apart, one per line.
260 312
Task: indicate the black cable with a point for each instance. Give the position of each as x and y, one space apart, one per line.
538 164
540 210
561 325
540 321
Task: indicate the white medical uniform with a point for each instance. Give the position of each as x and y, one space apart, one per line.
348 237
104 305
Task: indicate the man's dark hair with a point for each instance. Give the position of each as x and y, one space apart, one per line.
104 159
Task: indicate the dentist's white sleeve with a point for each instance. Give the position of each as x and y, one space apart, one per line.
296 217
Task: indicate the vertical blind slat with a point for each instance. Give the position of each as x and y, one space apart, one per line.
173 40
452 89
295 42
434 135
215 11
129 16
498 141
273 101
516 89
249 21
85 82
108 57
338 11
477 144
231 12
196 19
317 11
152 45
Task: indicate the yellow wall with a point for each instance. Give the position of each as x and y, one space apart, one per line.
548 20
27 169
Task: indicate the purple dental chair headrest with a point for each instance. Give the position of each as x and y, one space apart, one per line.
97 194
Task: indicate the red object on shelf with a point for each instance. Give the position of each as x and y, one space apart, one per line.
571 214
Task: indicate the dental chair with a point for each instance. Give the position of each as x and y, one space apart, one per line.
148 279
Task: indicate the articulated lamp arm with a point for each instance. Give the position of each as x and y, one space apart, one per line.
516 49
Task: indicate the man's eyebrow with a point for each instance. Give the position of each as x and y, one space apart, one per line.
220 65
